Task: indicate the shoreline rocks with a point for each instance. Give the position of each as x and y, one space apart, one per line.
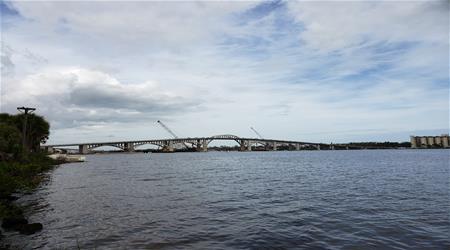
13 222
21 225
29 229
16 221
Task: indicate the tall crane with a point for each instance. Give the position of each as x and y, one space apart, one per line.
167 129
171 132
256 132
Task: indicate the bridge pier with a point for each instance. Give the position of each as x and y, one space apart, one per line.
242 145
318 147
202 145
129 147
274 146
168 146
245 145
83 149
297 146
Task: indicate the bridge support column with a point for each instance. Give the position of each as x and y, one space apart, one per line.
83 149
297 146
202 145
274 146
246 145
318 147
242 145
168 146
129 147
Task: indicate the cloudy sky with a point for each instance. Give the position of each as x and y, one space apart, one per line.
310 71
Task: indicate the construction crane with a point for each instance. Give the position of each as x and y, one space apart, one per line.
256 132
172 133
167 129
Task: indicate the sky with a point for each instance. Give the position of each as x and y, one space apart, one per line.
336 71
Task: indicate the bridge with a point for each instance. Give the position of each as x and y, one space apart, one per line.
200 144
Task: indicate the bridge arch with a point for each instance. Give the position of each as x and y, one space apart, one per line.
224 137
93 147
146 146
147 143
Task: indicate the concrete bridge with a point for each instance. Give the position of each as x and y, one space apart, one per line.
200 144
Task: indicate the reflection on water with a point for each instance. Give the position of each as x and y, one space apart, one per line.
317 199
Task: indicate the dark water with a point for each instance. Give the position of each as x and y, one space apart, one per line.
384 199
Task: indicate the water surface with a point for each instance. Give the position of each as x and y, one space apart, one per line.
368 199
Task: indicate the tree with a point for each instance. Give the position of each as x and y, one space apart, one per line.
37 131
10 143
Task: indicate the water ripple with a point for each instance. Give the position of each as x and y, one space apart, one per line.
274 200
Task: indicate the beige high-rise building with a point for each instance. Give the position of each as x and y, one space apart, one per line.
441 141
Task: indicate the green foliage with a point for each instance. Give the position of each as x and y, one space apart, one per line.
21 168
10 143
11 127
19 176
8 209
38 129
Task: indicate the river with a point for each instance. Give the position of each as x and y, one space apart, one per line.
355 199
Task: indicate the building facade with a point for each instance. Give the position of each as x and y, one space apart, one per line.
441 141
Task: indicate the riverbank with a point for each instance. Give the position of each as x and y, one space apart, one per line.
18 178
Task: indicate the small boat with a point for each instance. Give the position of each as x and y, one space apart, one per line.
68 158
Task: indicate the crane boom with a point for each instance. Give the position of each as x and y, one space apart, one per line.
167 129
172 133
256 132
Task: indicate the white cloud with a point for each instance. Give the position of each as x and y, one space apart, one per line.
165 24
77 96
336 25
220 67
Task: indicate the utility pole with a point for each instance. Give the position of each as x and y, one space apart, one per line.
25 111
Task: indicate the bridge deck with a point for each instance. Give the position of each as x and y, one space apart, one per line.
187 139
